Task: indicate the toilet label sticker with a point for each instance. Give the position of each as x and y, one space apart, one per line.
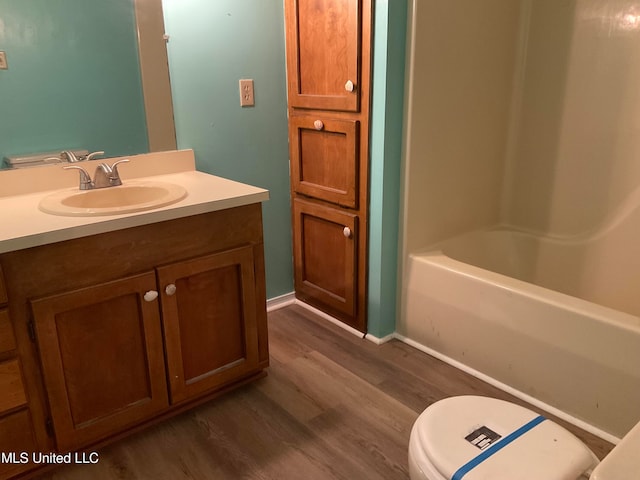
495 448
482 437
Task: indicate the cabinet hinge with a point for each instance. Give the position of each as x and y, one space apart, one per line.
32 330
48 425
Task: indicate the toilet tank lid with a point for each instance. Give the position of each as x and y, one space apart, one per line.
472 437
623 460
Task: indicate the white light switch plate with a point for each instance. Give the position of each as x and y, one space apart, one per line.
246 93
3 61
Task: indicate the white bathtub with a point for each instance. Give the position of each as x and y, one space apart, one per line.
506 305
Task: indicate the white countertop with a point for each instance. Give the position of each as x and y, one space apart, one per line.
23 225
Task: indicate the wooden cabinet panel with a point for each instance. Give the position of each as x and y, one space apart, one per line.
324 158
16 436
11 387
102 358
325 251
328 47
3 291
209 319
7 339
323 53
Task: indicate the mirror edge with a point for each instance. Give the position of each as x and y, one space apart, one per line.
154 71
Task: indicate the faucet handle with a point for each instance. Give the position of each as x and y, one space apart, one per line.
116 174
92 154
85 178
69 156
115 164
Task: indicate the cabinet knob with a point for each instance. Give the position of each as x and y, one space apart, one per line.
349 86
346 232
150 296
170 289
318 125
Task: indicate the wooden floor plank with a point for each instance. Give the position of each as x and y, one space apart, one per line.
334 406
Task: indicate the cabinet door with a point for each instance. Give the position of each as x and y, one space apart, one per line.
323 53
324 158
102 359
209 318
325 251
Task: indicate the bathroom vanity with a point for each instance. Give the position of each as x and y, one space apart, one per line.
110 323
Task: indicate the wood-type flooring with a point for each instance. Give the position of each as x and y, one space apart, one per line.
333 406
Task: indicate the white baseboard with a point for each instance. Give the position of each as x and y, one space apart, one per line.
290 299
281 301
380 341
331 319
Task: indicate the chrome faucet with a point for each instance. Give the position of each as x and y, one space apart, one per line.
85 179
71 157
107 176
104 176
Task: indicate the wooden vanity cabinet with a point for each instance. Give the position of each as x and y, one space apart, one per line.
135 325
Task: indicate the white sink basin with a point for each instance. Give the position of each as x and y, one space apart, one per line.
133 196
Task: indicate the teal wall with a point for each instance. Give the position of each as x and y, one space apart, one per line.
73 79
386 151
213 44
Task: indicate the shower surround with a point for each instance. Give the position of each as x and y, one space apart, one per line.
522 181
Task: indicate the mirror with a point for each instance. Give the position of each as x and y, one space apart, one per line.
84 74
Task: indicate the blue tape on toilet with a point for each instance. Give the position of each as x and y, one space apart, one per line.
467 467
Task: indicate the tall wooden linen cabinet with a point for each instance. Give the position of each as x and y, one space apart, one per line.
328 76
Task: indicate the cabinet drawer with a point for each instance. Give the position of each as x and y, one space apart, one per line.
324 158
11 388
7 339
325 252
16 436
3 291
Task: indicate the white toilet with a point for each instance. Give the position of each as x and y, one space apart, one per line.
481 438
